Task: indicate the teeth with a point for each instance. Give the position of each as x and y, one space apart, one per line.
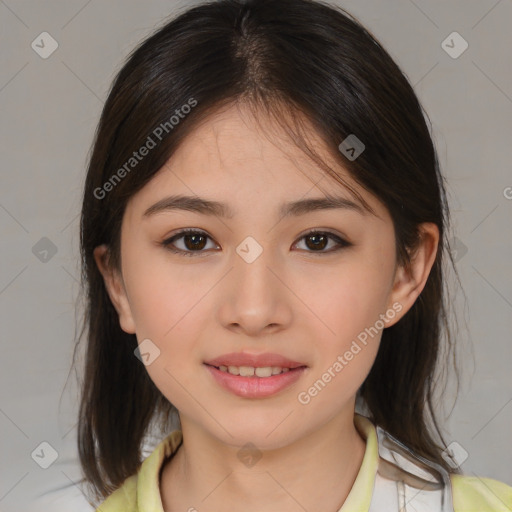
234 370
244 371
249 371
263 372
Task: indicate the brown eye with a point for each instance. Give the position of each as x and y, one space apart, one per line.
317 241
194 241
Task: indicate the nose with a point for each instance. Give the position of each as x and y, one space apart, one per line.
254 298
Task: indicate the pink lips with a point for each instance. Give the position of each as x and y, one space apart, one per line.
254 386
254 360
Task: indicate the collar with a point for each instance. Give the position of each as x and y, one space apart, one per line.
359 497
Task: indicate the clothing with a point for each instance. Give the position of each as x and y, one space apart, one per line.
141 492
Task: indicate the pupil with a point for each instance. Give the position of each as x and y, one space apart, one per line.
318 244
194 242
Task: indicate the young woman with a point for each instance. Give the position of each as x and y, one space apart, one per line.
263 235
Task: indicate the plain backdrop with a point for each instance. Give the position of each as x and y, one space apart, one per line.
49 110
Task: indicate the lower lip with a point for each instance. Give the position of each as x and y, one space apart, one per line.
255 387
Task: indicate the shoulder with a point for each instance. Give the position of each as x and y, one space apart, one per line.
143 488
123 499
474 494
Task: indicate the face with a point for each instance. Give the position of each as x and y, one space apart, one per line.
254 282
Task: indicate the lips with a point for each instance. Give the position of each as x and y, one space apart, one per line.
255 387
254 360
237 373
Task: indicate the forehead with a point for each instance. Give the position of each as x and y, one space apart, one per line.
248 162
239 146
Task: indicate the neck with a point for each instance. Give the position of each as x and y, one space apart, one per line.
314 473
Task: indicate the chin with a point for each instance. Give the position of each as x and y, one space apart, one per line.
265 431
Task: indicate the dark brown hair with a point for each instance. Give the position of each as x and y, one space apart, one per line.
292 60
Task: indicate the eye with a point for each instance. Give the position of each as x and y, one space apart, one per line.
194 241
318 240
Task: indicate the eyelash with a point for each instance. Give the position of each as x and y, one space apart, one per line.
167 244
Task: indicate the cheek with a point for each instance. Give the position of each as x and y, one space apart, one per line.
344 300
164 297
347 303
170 309
346 343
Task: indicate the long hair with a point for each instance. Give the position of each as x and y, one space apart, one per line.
292 60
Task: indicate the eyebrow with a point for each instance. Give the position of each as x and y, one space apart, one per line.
214 208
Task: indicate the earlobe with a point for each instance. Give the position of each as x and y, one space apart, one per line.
410 281
115 289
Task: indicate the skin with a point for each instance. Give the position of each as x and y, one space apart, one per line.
308 306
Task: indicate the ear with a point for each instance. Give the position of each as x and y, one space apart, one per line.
115 289
409 281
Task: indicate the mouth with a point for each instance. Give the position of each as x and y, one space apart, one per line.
255 381
247 361
252 371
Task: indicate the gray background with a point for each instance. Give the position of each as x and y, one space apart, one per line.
49 110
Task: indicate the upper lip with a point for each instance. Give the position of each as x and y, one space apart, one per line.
253 360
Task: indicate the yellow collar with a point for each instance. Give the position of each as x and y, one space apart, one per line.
359 498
